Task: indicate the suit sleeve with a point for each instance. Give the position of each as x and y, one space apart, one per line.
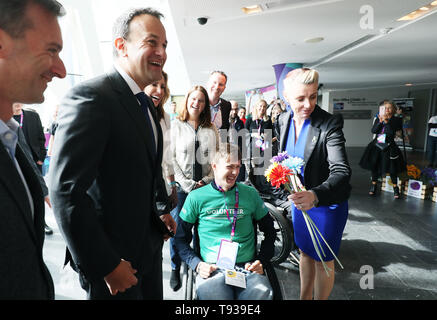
337 184
81 137
184 233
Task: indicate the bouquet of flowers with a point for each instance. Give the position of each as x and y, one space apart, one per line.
429 176
284 171
413 172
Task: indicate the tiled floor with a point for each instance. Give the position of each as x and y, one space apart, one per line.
396 240
389 249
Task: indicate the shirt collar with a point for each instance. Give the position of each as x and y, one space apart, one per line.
214 185
130 82
9 133
216 106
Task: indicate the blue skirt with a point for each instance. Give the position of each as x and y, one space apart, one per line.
330 220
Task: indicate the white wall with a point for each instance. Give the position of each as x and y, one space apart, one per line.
357 132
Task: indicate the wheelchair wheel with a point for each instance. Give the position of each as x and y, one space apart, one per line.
188 282
283 235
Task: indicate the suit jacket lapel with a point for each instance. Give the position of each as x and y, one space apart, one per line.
159 147
312 136
12 181
130 103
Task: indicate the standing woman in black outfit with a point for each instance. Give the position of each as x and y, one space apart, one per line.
260 129
382 155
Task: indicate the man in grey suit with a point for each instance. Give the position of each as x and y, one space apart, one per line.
105 179
30 42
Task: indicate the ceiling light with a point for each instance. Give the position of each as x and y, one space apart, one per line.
315 40
252 9
419 12
408 84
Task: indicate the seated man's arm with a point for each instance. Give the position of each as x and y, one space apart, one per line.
182 240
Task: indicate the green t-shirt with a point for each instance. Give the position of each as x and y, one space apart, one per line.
207 206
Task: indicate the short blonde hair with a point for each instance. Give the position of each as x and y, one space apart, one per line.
302 75
227 151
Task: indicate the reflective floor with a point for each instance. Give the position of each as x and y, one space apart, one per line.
389 248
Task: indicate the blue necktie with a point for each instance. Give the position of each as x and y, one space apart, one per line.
145 107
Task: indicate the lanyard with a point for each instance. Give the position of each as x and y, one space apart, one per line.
234 222
215 114
21 119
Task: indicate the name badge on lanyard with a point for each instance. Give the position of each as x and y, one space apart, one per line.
382 136
227 254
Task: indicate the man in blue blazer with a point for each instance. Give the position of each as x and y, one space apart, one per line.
30 42
105 179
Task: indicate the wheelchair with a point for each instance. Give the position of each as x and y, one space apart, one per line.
189 275
283 244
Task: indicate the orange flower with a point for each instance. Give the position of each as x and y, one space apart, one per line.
278 175
413 171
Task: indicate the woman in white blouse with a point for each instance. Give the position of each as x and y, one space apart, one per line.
194 140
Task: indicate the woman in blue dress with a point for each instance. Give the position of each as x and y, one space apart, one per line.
316 136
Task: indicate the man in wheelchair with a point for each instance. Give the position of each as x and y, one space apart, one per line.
223 213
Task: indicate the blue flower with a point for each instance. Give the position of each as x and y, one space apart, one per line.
295 164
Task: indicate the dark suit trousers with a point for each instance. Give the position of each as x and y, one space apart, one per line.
149 286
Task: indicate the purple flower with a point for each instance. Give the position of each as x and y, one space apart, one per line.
429 176
280 157
415 185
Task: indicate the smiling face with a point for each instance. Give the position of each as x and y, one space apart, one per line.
301 97
242 113
215 87
226 171
143 54
261 109
195 105
33 60
156 91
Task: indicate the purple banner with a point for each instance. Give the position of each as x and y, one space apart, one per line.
281 71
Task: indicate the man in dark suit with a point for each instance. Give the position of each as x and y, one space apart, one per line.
32 133
30 42
30 123
105 178
220 108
